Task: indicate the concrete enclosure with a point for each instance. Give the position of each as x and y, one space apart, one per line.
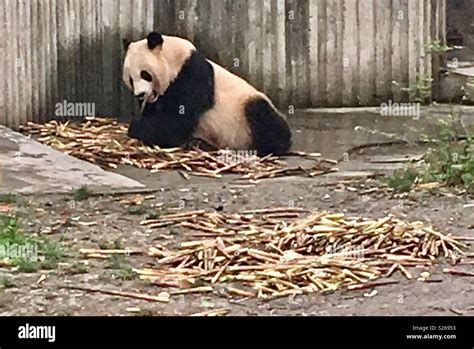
303 53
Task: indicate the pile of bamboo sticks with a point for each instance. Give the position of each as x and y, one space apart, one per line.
281 252
105 142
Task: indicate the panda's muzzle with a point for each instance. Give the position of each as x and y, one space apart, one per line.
140 96
154 95
143 99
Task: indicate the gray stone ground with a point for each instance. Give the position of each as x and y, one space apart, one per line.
28 167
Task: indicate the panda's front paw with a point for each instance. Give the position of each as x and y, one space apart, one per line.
134 129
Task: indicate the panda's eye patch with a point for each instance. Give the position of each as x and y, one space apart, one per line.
146 76
131 81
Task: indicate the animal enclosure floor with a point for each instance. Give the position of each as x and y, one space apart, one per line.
112 221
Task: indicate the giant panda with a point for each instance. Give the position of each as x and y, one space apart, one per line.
187 97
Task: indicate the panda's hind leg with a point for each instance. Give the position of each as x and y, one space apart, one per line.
269 130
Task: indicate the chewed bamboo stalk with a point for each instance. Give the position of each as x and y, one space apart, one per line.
104 141
299 252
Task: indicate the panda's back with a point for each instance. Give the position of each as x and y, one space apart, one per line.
225 125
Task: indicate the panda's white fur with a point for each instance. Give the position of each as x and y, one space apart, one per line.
226 124
223 123
164 61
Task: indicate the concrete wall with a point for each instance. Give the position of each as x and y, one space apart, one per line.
304 53
66 50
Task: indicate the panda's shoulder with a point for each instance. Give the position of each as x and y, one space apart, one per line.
180 42
227 82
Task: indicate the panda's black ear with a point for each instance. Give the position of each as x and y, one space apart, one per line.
154 40
126 43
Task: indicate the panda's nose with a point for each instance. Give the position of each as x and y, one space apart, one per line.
140 95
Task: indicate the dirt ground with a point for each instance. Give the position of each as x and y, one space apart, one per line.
106 221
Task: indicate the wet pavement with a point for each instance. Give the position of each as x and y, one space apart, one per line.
364 142
334 132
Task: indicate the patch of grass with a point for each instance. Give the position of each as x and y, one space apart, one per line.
420 91
111 245
449 162
48 264
27 253
12 240
77 268
117 262
9 231
104 245
6 282
452 161
153 216
438 47
81 194
122 269
52 251
118 245
8 198
136 210
147 282
125 274
402 180
27 265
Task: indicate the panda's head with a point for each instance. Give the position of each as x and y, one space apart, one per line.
151 64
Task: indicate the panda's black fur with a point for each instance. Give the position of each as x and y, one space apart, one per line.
163 124
270 132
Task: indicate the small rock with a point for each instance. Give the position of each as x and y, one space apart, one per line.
371 294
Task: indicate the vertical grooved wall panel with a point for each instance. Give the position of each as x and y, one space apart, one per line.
303 53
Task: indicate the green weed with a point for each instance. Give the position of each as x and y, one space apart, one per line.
81 194
450 162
